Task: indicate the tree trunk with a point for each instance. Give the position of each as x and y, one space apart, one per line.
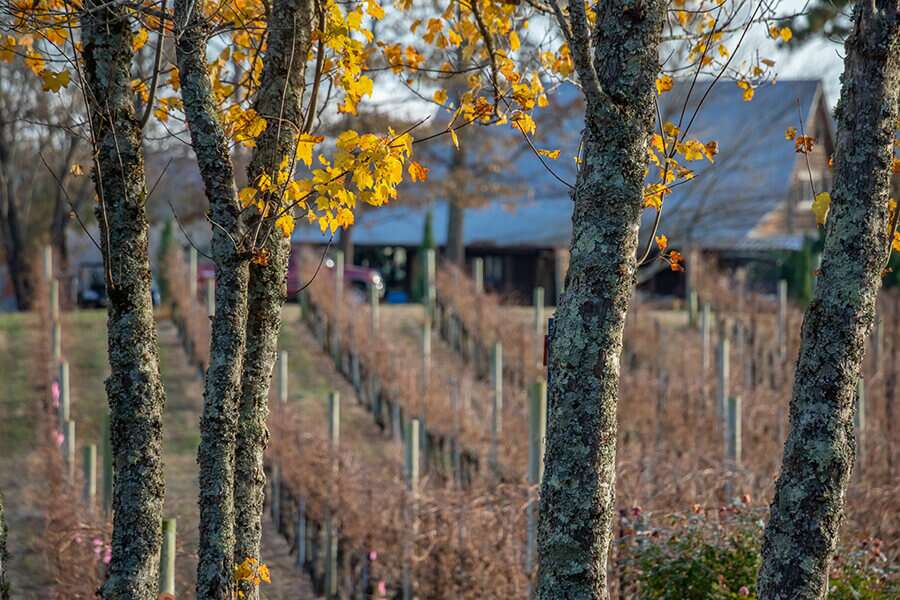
17 263
456 247
280 94
577 494
135 393
806 513
218 424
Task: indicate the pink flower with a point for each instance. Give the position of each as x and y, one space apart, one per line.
107 555
744 591
58 438
382 588
373 556
54 390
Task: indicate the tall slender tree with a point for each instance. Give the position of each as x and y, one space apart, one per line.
134 389
807 510
616 62
219 421
279 100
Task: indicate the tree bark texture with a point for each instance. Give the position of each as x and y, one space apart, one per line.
806 512
219 421
280 103
135 393
577 493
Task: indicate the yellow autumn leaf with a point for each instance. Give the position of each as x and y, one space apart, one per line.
820 206
790 133
417 172
76 170
453 138
440 96
52 81
785 34
664 84
247 196
139 39
554 154
896 243
514 42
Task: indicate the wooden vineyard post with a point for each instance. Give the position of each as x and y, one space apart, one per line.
426 354
692 301
63 393
331 532
54 300
69 449
859 424
705 333
782 318
537 433
167 558
56 341
211 298
411 475
732 443
282 379
539 326
106 451
48 262
496 405
338 310
90 475
430 283
478 274
722 378
192 273
374 309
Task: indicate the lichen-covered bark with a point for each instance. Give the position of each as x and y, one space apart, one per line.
806 512
134 390
577 494
218 423
279 102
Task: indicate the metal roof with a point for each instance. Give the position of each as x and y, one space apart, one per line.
718 209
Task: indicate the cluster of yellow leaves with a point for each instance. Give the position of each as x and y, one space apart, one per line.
251 571
784 33
51 81
365 168
664 153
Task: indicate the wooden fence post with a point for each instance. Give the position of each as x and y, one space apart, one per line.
537 432
301 533
69 449
859 424
275 487
89 466
282 380
63 393
430 300
705 332
192 273
723 375
411 474
692 302
211 297
56 341
539 326
167 558
478 274
374 309
733 432
782 317
331 532
54 300
426 354
106 449
877 341
497 404
48 262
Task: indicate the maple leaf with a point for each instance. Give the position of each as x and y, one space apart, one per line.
553 154
139 39
820 206
417 172
790 133
440 96
804 144
52 81
664 84
662 242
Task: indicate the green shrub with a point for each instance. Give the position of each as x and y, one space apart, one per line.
715 555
